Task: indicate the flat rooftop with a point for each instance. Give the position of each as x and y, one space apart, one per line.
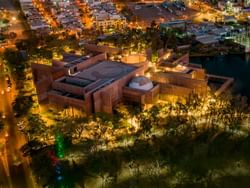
179 69
105 70
73 59
66 94
169 59
171 23
75 81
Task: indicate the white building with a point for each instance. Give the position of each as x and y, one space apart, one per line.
105 15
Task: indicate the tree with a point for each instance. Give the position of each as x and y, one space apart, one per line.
15 61
103 120
5 21
80 125
36 127
32 146
22 104
154 115
122 115
128 112
145 123
79 129
45 176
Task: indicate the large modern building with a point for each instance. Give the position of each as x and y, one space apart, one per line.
94 83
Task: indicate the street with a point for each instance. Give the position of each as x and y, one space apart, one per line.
14 168
16 24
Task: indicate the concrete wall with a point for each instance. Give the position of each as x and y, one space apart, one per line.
91 61
168 89
227 82
134 95
152 95
42 77
89 108
58 72
140 96
198 86
184 60
199 74
65 101
138 60
107 97
42 87
56 63
192 65
134 59
68 88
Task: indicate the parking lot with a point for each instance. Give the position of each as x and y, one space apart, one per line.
146 13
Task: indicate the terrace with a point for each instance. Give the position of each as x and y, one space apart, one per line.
105 70
73 59
219 84
173 60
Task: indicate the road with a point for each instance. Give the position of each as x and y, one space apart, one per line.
205 11
16 24
14 168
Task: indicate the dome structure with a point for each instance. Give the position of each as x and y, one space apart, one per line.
141 82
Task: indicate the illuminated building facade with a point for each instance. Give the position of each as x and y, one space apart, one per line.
94 83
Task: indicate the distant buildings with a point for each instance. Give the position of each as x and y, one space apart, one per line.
180 24
45 14
66 13
41 14
35 20
105 15
208 33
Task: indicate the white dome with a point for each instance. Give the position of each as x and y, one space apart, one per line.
142 83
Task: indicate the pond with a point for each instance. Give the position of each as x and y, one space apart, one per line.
236 66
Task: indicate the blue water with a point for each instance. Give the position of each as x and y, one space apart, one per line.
236 66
